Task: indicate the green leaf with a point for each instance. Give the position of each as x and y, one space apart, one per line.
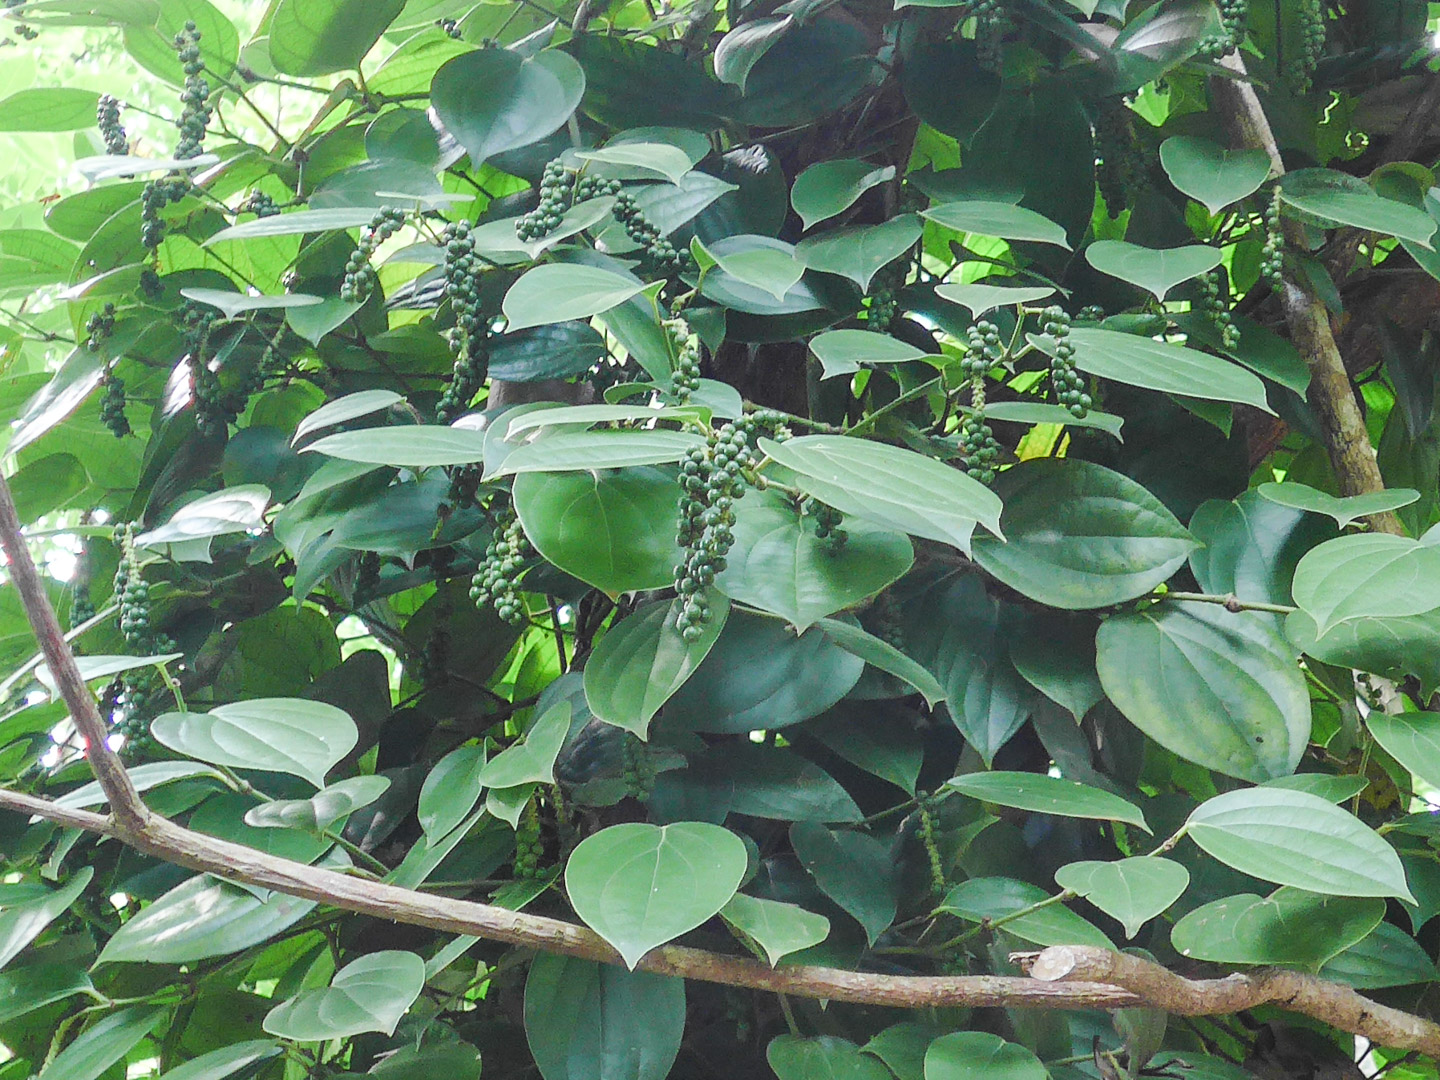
982 898
297 222
225 1062
1337 197
493 100
841 352
1155 270
1133 891
48 108
590 451
22 924
825 1057
1001 219
1392 647
322 810
1042 794
201 918
288 735
779 565
223 816
102 1044
1211 174
558 292
1057 657
881 654
779 929
556 351
604 528
772 267
853 869
1411 738
37 985
1366 576
828 188
642 660
232 304
1290 926
980 298
1251 546
869 740
860 252
1386 957
79 374
343 409
1333 789
589 1021
417 446
531 761
93 668
745 45
978 1055
1219 689
1038 412
639 886
1080 535
369 994
451 790
779 784
232 510
1344 511
584 416
1154 365
1292 838
109 166
890 486
452 1059
663 159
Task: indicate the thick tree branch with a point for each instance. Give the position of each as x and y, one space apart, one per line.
1334 1004
1331 395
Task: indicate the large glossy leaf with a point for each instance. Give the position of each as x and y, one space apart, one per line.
826 1057
419 446
1290 926
231 510
558 292
1156 270
1220 689
1002 219
1042 794
103 1044
37 985
978 1055
1251 547
493 100
778 928
982 898
890 486
451 790
1132 890
860 252
1411 738
828 188
369 994
779 564
852 868
611 529
775 783
760 675
200 918
1155 365
1292 838
72 384
1337 197
289 735
1374 575
590 451
533 760
1211 174
343 409
1057 657
1386 957
589 1021
1079 535
639 886
22 924
554 351
642 660
1393 647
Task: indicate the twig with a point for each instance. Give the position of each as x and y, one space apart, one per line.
1230 602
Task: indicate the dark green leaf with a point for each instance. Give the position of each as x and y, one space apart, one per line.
493 100
1290 926
1044 794
851 868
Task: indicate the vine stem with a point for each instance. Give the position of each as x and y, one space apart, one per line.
904 399
1229 601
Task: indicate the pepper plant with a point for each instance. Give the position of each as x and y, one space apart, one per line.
627 539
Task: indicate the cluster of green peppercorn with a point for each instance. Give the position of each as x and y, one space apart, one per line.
360 277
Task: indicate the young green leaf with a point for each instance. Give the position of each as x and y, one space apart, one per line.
321 810
854 869
779 929
987 898
1155 270
1155 365
531 761
1373 575
982 298
288 735
1132 890
978 1055
1344 511
828 188
451 790
558 292
1211 174
343 409
1002 219
841 352
881 654
372 993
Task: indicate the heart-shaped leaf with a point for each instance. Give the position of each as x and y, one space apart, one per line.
825 1057
319 37
978 1055
533 760
642 660
660 159
1290 926
1344 511
1211 174
860 252
841 352
1000 219
322 810
828 188
981 298
1411 738
558 292
1042 794
493 100
639 886
890 486
1338 197
1292 838
1153 269
779 564
982 898
1133 891
372 993
1367 576
779 929
288 735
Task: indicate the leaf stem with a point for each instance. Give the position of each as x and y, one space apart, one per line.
1230 602
904 399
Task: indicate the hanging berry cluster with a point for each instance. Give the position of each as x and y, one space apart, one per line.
529 844
557 186
99 327
194 97
711 480
685 375
1217 310
1300 69
991 25
107 118
1065 380
931 844
827 522
156 195
887 624
360 276
638 772
137 693
468 335
1234 14
1272 260
259 204
658 255
215 406
112 406
979 451
496 581
1120 164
